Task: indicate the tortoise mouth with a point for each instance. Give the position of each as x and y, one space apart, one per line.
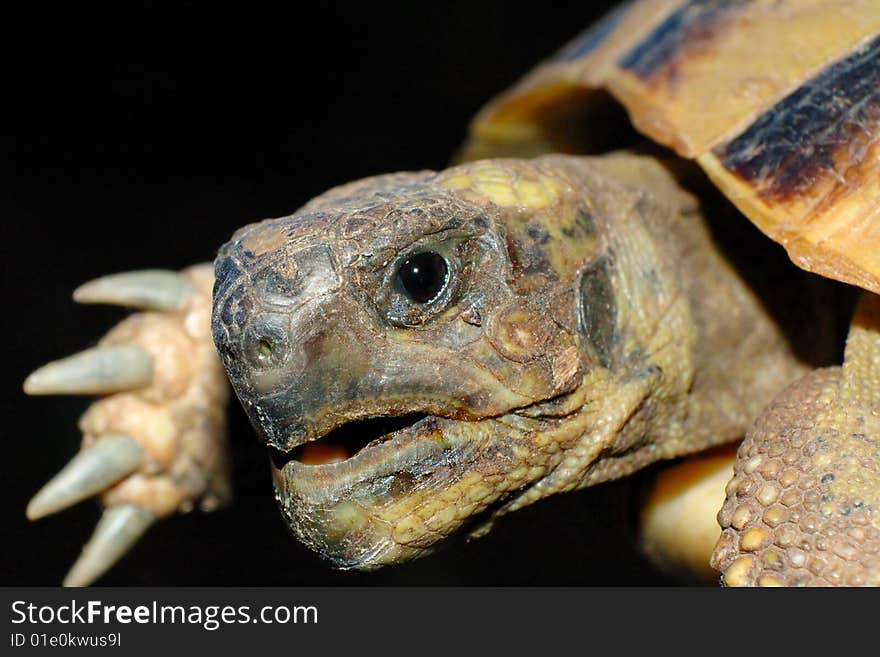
348 440
350 493
360 454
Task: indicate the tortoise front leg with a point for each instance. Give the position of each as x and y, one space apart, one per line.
803 507
155 443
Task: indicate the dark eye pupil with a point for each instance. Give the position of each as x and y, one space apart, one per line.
422 276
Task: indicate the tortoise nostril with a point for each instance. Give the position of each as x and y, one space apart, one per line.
265 341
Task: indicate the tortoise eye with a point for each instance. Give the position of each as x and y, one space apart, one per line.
422 277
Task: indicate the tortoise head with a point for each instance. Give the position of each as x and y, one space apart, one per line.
409 347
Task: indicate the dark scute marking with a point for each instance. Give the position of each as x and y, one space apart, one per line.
513 252
271 281
598 313
696 21
793 144
231 302
527 256
234 312
226 275
537 233
586 222
588 40
584 225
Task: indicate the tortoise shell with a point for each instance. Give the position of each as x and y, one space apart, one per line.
777 100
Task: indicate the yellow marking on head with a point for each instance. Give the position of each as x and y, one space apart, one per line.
552 186
505 185
498 192
486 178
457 182
490 170
534 194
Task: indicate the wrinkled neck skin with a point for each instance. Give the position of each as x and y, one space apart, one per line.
694 355
590 329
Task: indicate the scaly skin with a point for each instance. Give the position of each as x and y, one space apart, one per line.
802 507
589 328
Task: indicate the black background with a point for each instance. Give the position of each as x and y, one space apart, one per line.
139 137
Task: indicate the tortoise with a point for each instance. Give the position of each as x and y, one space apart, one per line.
526 322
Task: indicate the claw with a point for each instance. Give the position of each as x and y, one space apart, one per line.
118 529
103 463
100 370
149 289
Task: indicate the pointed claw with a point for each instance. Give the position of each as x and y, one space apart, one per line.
118 529
99 370
103 463
149 289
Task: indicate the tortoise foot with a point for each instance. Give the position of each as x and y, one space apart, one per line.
154 443
802 507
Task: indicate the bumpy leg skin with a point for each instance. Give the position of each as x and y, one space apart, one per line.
155 444
803 507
